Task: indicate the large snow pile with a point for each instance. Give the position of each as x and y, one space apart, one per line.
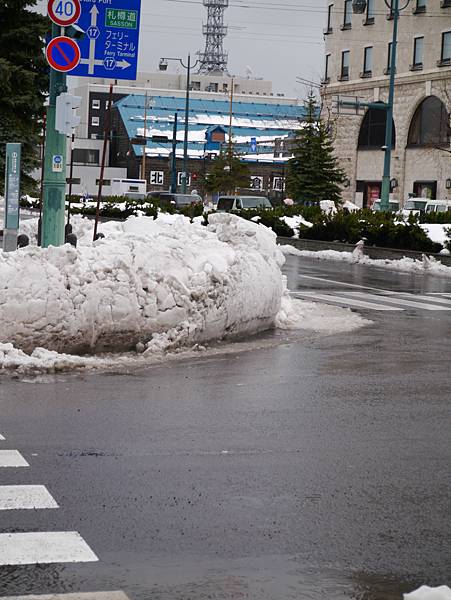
428 593
152 282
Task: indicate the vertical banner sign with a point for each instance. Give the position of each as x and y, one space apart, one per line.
12 185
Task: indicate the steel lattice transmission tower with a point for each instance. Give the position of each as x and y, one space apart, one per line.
214 59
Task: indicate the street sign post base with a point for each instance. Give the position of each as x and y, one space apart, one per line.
9 240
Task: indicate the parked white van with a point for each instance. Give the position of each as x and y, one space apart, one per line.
419 205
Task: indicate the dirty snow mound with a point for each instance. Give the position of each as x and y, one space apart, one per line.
146 278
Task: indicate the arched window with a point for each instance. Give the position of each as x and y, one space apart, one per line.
430 124
372 131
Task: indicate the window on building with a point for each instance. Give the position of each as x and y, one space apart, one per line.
344 65
95 121
372 130
418 50
420 6
95 104
74 180
369 12
387 70
347 15
86 156
430 124
329 19
445 3
367 61
195 85
326 69
106 182
446 49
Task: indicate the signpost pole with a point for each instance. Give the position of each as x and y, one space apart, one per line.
12 197
54 192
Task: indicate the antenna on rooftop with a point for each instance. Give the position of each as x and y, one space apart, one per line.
213 59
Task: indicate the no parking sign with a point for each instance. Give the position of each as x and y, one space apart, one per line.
63 54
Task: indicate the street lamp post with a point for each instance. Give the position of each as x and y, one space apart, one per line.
359 7
163 65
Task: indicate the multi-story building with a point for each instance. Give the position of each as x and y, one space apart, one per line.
157 87
358 63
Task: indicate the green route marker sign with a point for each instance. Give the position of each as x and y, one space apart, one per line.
12 196
121 19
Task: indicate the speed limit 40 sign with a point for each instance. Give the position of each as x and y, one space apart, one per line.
64 12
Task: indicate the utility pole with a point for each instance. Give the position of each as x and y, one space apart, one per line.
54 193
143 163
174 157
185 139
385 191
106 137
230 126
71 174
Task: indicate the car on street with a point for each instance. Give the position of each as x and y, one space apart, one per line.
166 199
230 203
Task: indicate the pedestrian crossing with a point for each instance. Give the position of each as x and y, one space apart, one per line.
41 547
383 300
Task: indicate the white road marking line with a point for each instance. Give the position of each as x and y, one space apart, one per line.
81 596
44 548
347 301
425 298
25 497
396 300
441 294
353 285
2 439
12 458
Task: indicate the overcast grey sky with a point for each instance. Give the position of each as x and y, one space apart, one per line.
277 39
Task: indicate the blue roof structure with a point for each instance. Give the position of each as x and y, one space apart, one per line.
264 121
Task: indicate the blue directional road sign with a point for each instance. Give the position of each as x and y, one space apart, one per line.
253 144
110 46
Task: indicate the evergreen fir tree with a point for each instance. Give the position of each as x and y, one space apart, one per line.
226 174
23 83
313 173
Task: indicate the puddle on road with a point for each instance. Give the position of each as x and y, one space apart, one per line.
256 579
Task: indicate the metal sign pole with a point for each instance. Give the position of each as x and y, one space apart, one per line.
54 166
12 197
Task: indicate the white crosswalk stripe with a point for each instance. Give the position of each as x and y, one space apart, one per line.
385 301
2 439
339 299
25 497
12 458
392 299
43 548
81 596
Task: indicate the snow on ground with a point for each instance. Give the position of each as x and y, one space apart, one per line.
153 285
299 314
410 265
427 593
437 232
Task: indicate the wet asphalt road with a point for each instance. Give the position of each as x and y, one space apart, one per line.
310 467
